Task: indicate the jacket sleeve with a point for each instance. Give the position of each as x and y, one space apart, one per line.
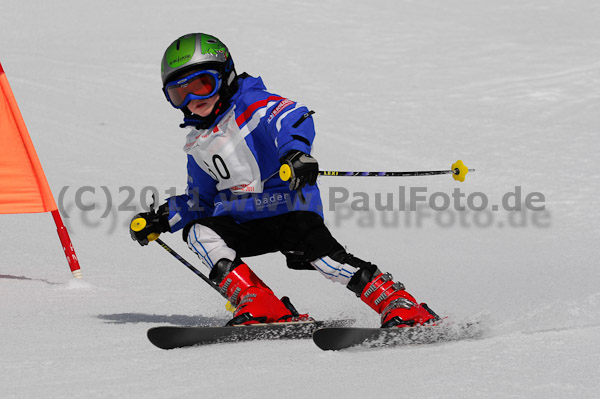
291 126
198 200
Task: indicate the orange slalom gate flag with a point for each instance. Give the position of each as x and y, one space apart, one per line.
23 184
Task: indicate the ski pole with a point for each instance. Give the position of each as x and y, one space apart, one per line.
187 264
170 250
135 225
458 171
139 223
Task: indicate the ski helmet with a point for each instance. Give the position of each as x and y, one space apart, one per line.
199 51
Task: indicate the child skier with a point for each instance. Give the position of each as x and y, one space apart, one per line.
237 206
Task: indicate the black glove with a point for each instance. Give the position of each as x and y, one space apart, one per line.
304 169
147 226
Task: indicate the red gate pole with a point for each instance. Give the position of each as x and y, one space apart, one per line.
67 245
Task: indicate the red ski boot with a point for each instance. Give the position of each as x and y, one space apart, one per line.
396 306
254 301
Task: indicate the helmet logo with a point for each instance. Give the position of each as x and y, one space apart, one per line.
180 60
213 46
180 52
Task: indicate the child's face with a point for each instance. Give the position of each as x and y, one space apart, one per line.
203 108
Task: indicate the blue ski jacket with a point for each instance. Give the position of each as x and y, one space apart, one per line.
233 166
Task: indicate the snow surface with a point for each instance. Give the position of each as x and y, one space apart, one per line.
511 87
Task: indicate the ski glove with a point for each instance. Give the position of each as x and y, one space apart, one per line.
304 169
147 226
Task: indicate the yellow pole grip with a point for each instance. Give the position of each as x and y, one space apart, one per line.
138 224
285 172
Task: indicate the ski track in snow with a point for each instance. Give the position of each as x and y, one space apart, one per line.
511 88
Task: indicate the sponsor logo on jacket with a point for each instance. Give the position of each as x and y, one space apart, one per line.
246 188
284 103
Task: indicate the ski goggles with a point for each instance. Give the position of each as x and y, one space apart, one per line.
196 86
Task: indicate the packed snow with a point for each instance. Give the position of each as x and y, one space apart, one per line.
510 87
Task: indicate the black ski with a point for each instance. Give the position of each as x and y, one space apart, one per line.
170 337
336 338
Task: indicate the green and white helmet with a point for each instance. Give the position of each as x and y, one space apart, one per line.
200 51
197 51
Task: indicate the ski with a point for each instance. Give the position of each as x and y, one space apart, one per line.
170 337
336 338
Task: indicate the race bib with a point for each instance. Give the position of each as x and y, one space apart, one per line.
223 153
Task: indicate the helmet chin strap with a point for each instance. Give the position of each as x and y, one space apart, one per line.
199 122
